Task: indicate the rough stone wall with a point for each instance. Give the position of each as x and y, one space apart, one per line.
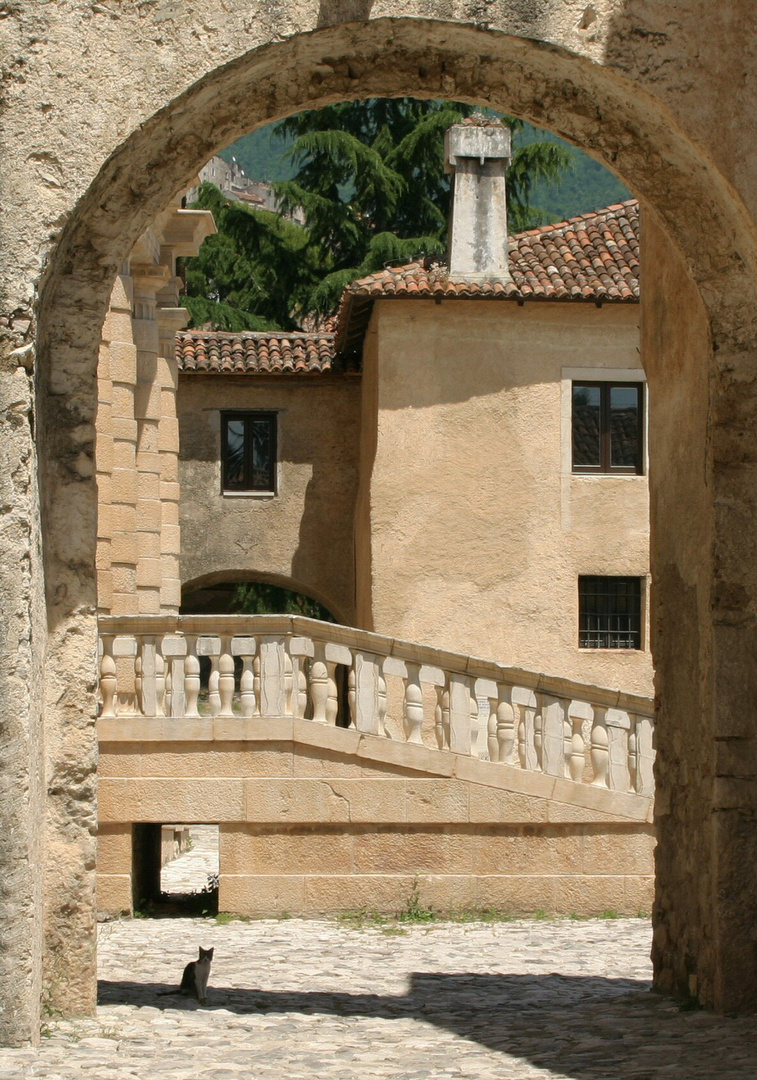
302 537
478 528
103 120
22 641
706 900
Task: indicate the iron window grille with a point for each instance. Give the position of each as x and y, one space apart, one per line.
608 427
248 451
609 613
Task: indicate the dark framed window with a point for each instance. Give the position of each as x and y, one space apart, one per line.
609 612
608 427
248 451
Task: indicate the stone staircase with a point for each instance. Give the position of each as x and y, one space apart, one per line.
347 769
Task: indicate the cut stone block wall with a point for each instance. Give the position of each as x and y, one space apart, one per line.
322 820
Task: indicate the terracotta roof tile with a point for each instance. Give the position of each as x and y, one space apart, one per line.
591 257
594 257
202 351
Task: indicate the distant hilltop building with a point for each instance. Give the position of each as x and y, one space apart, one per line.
230 177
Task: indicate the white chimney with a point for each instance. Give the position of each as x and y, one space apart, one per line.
477 152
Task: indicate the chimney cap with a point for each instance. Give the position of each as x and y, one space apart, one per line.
478 136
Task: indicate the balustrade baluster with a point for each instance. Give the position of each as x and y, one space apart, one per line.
288 684
244 647
319 683
174 650
382 701
225 680
352 695
211 647
256 683
332 700
191 678
138 683
506 723
301 650
302 688
491 728
504 726
632 755
108 680
600 758
160 684
538 731
214 685
475 727
576 759
439 716
522 753
413 720
169 687
528 707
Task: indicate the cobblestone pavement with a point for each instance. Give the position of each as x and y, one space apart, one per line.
190 872
321 999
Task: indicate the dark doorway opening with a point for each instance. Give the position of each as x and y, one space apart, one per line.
175 869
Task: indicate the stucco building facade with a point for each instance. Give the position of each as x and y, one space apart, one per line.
381 509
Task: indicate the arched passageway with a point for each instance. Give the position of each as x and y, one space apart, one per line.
248 593
700 316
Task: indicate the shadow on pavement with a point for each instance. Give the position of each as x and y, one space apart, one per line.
584 1027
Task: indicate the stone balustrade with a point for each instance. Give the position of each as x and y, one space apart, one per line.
274 666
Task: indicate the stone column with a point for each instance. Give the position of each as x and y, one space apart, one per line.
117 487
703 462
170 320
114 441
148 279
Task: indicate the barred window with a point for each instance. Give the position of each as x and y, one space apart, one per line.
607 427
248 451
609 613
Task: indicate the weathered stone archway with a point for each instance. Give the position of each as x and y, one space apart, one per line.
83 186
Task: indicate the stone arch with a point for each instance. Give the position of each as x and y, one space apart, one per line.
705 235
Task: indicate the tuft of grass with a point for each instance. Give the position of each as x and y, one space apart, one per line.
415 911
223 918
540 914
611 913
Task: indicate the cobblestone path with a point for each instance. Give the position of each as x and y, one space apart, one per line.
190 872
321 999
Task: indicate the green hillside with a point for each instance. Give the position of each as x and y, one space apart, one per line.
588 186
